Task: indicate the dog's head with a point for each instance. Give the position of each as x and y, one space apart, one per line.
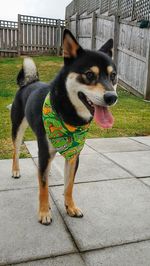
91 81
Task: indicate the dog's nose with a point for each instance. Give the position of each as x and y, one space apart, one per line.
110 98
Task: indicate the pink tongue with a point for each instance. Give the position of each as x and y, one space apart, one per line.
103 117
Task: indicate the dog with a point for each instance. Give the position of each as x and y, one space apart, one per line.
60 113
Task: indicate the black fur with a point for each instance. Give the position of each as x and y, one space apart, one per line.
107 47
30 97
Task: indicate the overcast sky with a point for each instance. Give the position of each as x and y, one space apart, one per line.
44 8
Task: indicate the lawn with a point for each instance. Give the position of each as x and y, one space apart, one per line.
132 114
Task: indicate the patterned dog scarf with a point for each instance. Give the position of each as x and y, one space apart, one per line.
66 139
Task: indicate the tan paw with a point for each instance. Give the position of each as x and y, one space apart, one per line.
74 212
45 217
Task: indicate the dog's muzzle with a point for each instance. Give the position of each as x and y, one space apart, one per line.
110 98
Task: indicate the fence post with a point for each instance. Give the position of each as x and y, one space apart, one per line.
116 38
77 25
58 37
93 33
68 23
19 35
147 85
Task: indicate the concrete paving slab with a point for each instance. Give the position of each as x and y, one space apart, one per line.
22 238
56 173
28 175
32 148
69 260
144 140
138 162
115 145
127 255
146 180
115 212
93 168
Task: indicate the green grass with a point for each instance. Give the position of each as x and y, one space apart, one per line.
132 114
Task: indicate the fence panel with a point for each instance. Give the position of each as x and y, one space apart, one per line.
31 35
85 31
8 38
104 31
40 35
126 9
93 5
113 7
132 52
141 10
104 6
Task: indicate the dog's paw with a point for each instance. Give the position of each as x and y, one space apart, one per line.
16 174
45 217
74 212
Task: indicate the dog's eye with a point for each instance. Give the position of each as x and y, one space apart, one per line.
113 76
90 76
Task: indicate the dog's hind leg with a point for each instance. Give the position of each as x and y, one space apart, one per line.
71 167
45 158
19 125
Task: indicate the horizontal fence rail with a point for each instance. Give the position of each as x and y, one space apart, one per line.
93 26
31 35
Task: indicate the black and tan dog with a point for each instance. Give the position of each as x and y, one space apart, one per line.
84 88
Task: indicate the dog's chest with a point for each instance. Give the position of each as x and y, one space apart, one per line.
66 139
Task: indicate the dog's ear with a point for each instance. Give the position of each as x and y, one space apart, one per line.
107 48
70 46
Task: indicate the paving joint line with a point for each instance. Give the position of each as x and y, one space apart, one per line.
147 185
115 245
81 253
105 156
75 183
37 259
139 141
94 181
66 226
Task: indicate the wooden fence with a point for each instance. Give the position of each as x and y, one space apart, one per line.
121 20
31 35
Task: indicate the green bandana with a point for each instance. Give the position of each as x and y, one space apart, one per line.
66 139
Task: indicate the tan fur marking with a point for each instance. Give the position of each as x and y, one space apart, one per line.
43 195
15 165
109 69
71 208
17 143
97 87
95 69
73 75
44 205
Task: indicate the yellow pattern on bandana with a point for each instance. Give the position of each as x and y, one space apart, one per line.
66 139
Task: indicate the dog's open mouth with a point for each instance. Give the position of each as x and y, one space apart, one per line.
102 115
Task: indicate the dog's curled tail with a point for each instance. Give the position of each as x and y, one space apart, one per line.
28 74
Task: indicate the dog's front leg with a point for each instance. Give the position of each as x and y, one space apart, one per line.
45 158
70 171
44 204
